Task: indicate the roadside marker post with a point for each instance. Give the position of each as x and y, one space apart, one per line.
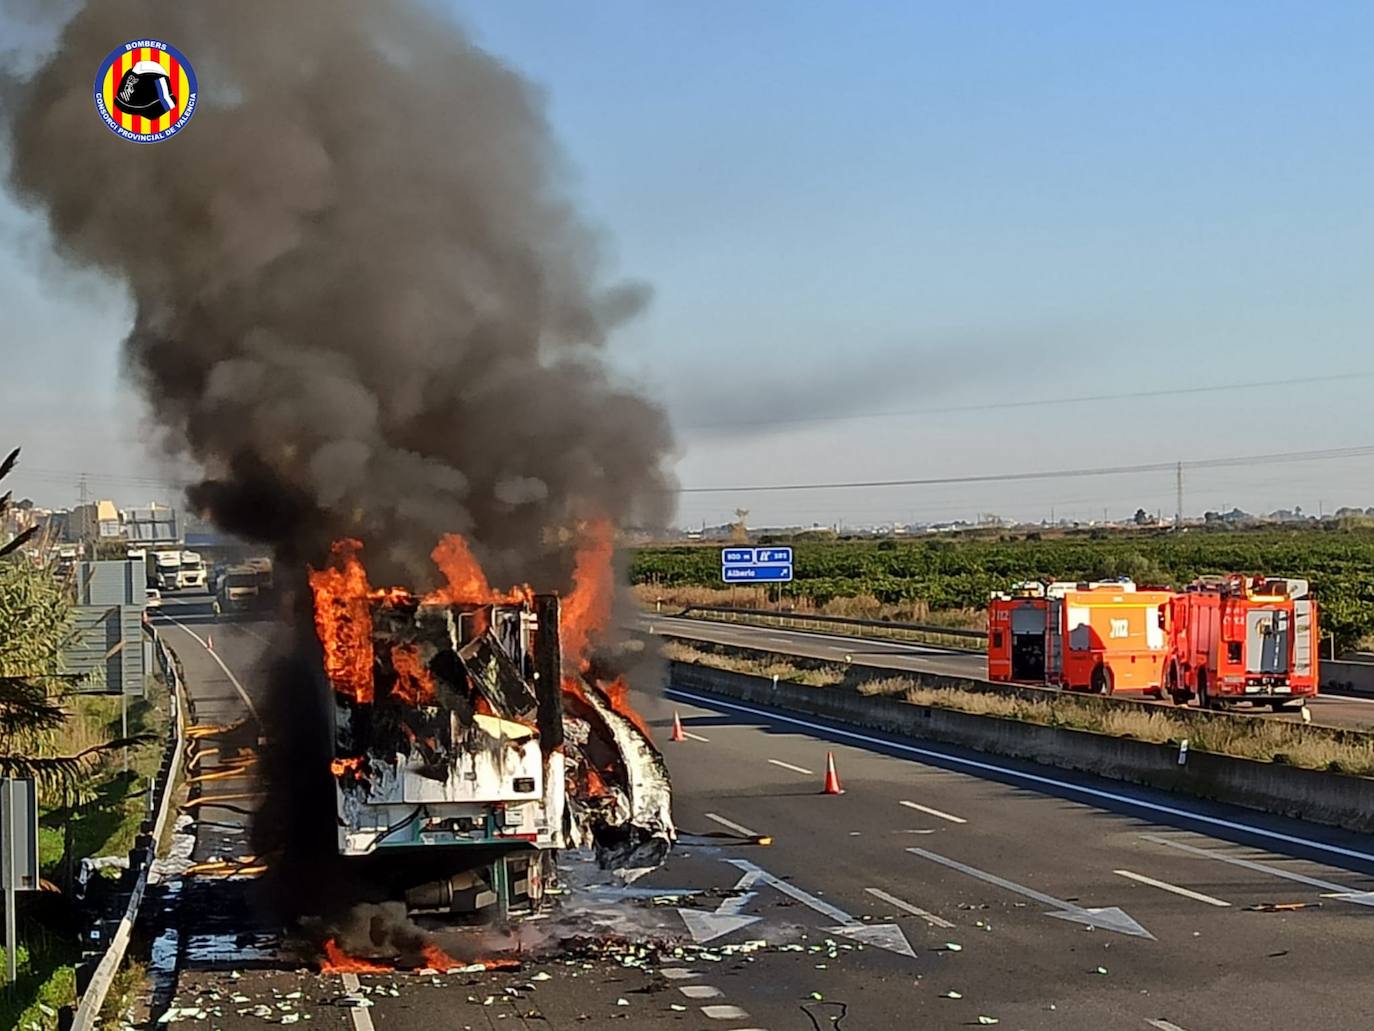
18 858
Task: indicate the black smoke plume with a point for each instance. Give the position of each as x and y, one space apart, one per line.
363 302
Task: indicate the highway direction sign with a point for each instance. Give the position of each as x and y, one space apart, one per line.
756 565
756 574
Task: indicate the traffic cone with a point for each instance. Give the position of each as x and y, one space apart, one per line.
209 642
832 779
677 734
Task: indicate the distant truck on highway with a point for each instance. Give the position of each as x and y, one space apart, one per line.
191 571
164 569
237 590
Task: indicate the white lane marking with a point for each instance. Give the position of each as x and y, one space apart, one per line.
696 737
893 900
227 672
738 828
1324 698
889 647
1108 918
678 973
362 1019
932 812
1339 891
883 936
1187 893
794 769
1164 1025
700 991
725 1012
1033 778
705 926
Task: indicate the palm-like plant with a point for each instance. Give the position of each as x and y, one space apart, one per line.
35 621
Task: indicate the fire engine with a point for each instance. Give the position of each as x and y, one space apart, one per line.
1244 638
1106 636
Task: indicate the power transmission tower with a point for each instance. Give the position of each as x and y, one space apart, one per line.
1178 483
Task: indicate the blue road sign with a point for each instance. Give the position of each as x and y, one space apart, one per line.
736 556
769 556
770 574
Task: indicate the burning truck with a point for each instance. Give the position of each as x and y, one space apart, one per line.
472 739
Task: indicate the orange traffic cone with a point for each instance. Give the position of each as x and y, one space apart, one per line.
832 779
677 734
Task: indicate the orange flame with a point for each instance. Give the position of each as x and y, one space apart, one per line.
336 961
617 693
348 765
587 608
467 584
343 621
414 683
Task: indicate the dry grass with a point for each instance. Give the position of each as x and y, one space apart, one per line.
1315 748
823 676
859 606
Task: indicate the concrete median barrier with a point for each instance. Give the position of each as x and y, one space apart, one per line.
1318 796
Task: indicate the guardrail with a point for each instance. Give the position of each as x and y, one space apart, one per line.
965 638
93 998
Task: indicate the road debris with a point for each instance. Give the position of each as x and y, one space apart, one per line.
1281 907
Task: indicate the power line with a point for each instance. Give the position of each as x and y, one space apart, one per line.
1037 403
1274 458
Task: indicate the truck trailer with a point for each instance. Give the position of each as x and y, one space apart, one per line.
464 758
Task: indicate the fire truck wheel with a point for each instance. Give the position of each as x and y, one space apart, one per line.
1169 688
1101 682
1204 697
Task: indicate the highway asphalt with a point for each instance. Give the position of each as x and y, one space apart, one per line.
1330 710
943 889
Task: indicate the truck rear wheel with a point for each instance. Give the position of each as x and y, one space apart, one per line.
1204 697
1171 689
1101 682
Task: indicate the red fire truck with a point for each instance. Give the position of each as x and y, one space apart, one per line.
1106 636
1244 638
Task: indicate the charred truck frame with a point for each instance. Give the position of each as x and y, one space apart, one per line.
464 757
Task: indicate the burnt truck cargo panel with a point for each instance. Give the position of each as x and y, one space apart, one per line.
447 751
458 726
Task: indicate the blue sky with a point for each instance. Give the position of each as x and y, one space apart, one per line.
891 206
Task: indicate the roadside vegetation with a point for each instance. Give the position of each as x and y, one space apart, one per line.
92 782
947 580
1310 747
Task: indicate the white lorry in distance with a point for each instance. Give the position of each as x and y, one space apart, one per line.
191 574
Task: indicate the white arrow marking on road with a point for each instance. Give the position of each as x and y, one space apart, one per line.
726 919
1109 918
1343 892
893 900
884 936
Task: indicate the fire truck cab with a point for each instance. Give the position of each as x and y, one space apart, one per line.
1106 636
1244 638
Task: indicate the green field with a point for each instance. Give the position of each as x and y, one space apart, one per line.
948 573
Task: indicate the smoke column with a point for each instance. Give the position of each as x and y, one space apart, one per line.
363 304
